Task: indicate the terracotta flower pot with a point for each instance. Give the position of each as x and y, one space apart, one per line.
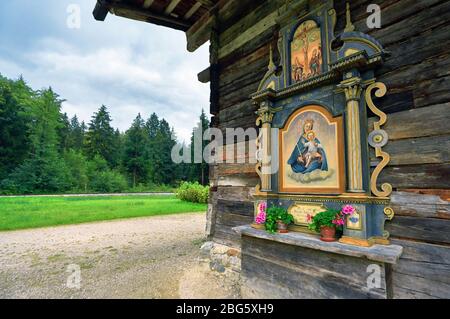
328 233
282 227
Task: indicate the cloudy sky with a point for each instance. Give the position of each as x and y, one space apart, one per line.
132 67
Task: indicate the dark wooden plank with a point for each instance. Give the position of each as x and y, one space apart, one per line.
225 236
235 207
422 272
429 230
420 205
417 176
424 150
243 194
286 271
240 180
422 122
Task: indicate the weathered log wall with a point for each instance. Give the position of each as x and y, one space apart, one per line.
417 73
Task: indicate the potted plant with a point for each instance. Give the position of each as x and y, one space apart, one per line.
326 224
278 219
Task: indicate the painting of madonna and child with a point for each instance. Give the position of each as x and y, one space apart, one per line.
306 52
311 153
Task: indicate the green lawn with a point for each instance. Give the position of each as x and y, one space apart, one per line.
32 212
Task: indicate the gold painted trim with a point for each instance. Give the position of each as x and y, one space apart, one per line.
389 212
345 198
364 242
355 241
386 189
349 27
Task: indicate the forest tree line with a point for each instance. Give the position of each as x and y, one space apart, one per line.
42 150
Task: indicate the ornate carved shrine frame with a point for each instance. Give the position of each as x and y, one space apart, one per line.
333 74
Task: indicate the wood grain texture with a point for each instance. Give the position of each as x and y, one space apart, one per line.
417 35
276 270
422 272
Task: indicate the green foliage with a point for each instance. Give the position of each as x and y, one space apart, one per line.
43 151
16 99
100 137
109 181
135 159
325 218
75 137
193 192
274 214
199 171
77 166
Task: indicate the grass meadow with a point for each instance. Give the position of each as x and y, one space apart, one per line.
33 212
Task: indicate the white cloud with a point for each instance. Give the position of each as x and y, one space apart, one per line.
129 66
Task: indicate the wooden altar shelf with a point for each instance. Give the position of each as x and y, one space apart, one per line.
385 254
301 266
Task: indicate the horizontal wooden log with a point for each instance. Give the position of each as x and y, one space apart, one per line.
275 270
422 272
417 176
235 207
444 194
204 76
419 205
429 230
239 180
241 194
233 220
424 150
422 122
225 236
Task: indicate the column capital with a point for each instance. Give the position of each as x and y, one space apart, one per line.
265 113
352 87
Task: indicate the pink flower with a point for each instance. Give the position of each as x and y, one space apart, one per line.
339 221
348 210
260 218
262 207
308 218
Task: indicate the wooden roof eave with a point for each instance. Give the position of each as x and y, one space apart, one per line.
141 14
197 32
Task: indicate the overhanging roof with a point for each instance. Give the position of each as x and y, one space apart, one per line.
195 17
175 14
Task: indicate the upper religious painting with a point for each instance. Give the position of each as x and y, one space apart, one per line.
306 52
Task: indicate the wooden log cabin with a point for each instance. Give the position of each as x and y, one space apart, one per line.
413 42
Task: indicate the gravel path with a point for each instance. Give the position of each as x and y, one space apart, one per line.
152 257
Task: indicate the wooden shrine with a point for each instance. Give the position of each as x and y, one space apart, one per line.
317 98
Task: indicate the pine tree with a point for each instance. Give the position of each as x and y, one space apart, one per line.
64 132
135 159
101 138
200 171
152 129
16 99
43 170
75 137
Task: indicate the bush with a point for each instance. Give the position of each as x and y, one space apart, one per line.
108 181
193 192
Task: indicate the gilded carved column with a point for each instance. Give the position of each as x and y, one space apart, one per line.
353 89
264 166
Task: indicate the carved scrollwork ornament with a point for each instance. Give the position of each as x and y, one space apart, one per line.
258 156
378 139
389 212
